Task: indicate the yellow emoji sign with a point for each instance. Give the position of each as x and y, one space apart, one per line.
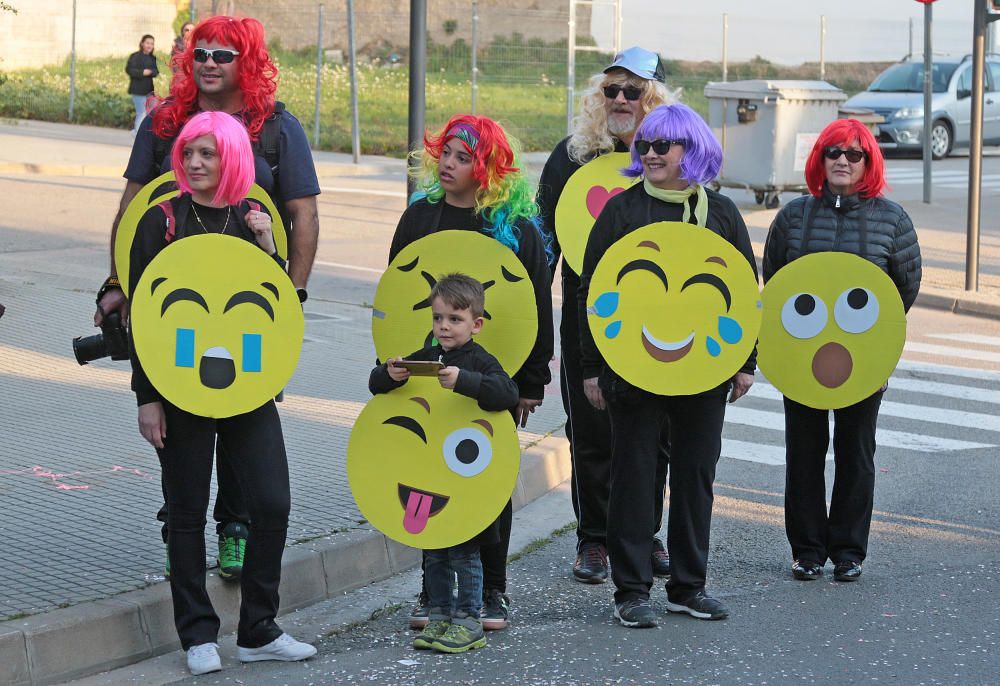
160 189
217 324
584 196
674 308
428 467
401 317
833 330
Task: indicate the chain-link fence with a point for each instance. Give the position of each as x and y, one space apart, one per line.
516 74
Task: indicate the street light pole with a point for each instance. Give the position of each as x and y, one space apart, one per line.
928 84
418 81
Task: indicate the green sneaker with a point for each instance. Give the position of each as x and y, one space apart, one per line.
461 637
232 548
432 632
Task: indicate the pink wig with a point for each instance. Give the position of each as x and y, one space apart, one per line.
844 132
236 163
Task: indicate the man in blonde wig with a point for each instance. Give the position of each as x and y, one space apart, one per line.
611 110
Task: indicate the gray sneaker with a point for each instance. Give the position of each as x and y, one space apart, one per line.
701 606
636 614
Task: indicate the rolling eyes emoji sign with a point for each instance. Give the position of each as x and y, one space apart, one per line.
674 309
833 330
401 317
428 467
586 193
217 325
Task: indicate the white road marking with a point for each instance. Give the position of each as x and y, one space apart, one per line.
967 338
363 191
949 351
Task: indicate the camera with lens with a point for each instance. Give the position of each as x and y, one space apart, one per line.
112 341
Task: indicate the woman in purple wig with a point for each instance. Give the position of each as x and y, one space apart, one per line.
675 154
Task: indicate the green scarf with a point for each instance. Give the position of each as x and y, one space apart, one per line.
681 198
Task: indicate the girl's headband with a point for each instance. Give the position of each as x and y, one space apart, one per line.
465 133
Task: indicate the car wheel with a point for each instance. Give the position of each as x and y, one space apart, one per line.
772 201
940 140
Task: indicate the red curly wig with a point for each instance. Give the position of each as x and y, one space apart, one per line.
844 132
492 155
258 76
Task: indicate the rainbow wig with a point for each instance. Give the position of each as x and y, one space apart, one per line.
236 163
257 75
844 132
702 153
504 194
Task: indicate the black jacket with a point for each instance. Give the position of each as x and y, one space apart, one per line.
876 229
480 376
137 62
423 218
631 210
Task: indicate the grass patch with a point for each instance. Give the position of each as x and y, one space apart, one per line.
540 543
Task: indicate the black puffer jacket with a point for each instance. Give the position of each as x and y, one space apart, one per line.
876 229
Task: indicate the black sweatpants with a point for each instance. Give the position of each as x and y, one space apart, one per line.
229 503
694 426
589 434
262 471
843 534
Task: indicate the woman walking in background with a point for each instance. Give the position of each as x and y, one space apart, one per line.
141 69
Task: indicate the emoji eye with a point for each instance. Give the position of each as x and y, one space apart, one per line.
467 452
856 310
803 315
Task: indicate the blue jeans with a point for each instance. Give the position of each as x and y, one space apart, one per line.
139 101
441 567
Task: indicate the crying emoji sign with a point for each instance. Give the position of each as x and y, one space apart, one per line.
217 325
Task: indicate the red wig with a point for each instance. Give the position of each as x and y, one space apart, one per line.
844 132
485 140
258 77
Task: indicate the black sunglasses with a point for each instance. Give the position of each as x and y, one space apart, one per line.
659 146
854 156
219 56
631 92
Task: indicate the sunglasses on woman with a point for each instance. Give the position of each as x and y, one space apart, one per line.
631 92
659 146
854 156
219 56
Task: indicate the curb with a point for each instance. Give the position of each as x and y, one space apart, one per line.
96 636
971 304
323 169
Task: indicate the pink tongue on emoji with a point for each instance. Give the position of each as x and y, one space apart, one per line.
418 511
597 198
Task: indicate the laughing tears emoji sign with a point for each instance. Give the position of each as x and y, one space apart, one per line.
674 309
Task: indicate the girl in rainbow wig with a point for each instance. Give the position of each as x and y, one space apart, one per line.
469 180
214 165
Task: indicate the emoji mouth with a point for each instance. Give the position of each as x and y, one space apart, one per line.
666 351
217 369
419 506
832 365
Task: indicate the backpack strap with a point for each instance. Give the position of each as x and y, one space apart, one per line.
168 209
270 135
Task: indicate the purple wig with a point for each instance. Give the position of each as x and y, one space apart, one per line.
232 143
702 153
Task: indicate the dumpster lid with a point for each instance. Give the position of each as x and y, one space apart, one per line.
774 89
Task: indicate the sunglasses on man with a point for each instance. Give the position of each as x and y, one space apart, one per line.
219 55
631 92
659 146
853 156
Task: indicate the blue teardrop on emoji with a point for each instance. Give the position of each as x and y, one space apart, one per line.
714 349
614 328
730 330
606 304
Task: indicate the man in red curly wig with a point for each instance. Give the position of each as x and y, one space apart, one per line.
226 68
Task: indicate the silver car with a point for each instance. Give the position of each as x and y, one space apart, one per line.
898 95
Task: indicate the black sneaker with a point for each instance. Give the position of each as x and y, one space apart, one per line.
496 610
419 615
848 570
636 614
701 606
661 559
806 570
591 566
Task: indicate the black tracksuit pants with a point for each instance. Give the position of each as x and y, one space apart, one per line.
589 434
843 534
694 426
262 470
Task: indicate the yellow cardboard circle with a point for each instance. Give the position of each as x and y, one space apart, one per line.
144 199
404 469
679 337
201 317
584 196
401 317
829 350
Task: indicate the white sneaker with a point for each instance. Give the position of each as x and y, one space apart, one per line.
204 658
283 648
